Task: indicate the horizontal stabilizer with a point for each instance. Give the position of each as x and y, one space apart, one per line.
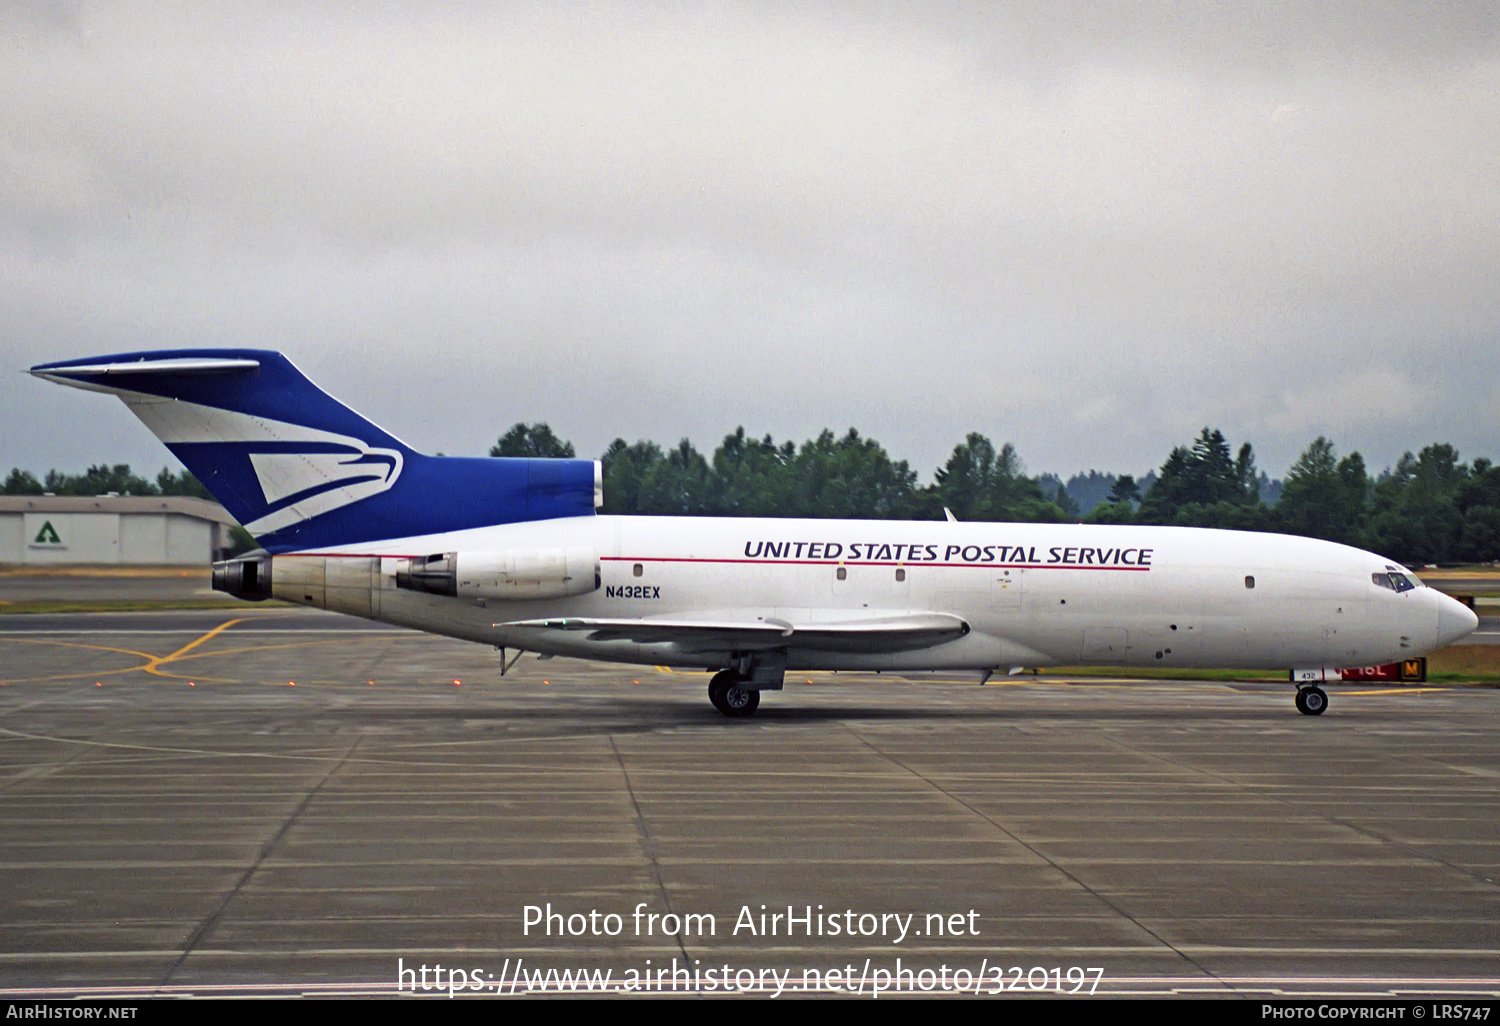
79 375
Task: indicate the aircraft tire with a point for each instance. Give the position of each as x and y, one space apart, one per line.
1312 701
725 692
717 685
740 701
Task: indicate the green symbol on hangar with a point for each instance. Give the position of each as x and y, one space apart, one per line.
47 535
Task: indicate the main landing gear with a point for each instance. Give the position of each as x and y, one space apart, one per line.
1311 701
729 695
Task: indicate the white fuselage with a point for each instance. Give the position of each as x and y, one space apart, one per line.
1032 594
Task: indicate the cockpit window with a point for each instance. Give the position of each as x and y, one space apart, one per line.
1394 581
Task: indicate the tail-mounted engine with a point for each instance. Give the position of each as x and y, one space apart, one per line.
248 577
510 574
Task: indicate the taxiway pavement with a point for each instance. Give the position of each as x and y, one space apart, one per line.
282 801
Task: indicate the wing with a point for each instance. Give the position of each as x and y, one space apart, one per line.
881 634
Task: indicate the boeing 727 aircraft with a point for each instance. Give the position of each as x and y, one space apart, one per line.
509 552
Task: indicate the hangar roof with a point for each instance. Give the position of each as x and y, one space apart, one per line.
200 509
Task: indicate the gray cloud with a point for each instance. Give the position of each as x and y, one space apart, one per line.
1090 230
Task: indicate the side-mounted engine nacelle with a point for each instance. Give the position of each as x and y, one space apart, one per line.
354 584
507 574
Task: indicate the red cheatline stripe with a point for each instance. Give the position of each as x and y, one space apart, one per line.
836 562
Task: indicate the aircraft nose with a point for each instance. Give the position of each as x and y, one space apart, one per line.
1454 620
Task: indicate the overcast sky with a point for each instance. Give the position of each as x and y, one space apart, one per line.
1088 230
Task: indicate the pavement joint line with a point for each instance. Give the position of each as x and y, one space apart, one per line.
159 749
648 844
214 918
1273 796
373 760
1101 898
36 772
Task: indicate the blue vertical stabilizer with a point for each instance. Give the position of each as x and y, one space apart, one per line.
299 469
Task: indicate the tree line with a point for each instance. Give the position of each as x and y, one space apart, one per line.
103 480
1428 508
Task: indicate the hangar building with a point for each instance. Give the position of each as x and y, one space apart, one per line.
143 530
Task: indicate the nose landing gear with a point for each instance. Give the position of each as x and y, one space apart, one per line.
1311 701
